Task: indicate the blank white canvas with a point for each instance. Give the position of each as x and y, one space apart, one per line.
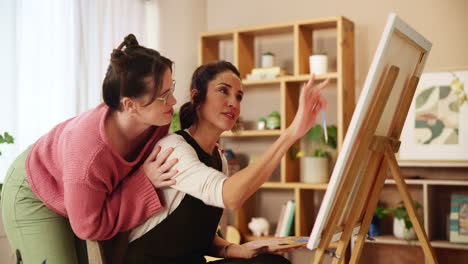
393 49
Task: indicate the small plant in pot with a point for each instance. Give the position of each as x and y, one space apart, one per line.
402 225
318 62
268 59
316 156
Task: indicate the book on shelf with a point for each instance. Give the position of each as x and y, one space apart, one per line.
280 220
459 218
265 73
286 219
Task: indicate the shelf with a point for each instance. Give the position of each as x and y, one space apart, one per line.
434 163
274 29
252 133
290 78
306 77
261 82
436 243
446 244
295 185
431 182
219 35
393 241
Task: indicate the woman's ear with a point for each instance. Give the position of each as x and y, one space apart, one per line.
128 105
193 94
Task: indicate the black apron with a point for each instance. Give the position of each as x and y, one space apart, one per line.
186 235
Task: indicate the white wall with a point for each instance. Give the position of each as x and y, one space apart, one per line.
179 24
444 23
7 69
7 79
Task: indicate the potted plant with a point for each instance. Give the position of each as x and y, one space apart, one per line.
318 62
273 120
268 59
316 157
402 226
261 123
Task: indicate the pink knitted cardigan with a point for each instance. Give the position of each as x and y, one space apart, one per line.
75 171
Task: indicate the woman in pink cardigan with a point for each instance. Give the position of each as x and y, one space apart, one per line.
96 174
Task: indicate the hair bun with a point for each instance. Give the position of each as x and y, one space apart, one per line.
118 60
130 41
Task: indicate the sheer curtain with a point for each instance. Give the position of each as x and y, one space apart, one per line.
60 51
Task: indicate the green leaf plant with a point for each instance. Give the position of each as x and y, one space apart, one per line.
401 213
317 146
6 138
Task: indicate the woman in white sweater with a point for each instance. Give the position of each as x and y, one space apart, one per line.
185 230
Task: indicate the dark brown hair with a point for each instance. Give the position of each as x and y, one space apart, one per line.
200 79
127 70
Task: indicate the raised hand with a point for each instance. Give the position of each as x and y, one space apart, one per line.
311 102
158 168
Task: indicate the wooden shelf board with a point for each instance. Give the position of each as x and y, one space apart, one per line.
219 35
263 30
321 23
393 241
252 133
388 239
290 78
431 182
446 244
261 82
306 77
295 185
434 163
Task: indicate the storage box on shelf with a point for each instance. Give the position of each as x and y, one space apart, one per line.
302 36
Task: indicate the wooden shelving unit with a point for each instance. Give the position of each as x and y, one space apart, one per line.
301 35
434 196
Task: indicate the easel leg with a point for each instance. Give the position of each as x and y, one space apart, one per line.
372 204
408 201
360 203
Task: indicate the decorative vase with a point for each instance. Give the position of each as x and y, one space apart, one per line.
268 60
400 231
318 64
314 170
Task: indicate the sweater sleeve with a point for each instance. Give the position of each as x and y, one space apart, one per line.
97 213
194 177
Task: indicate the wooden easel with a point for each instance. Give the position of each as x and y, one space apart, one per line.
383 149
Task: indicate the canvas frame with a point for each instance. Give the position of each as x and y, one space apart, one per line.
400 46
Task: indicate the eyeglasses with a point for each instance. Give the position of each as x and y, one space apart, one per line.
165 96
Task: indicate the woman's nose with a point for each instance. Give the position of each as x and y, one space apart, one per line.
172 99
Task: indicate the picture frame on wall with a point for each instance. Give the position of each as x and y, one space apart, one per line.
436 128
